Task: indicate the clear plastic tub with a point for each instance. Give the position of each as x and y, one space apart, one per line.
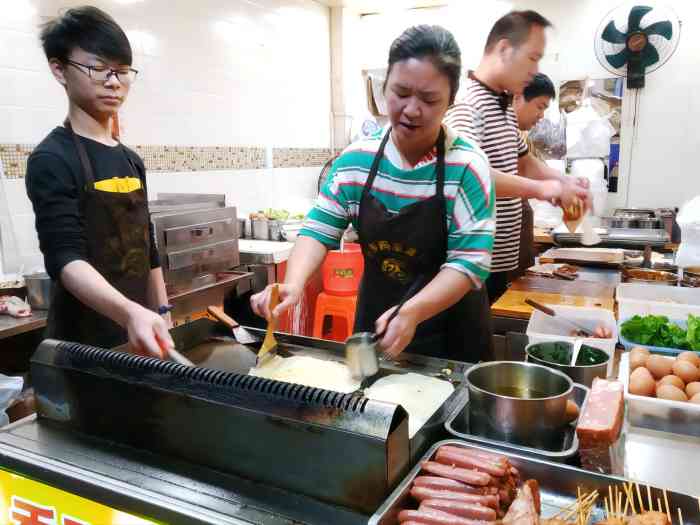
649 299
543 328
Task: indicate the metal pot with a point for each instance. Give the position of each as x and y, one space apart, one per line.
38 290
261 229
583 374
520 403
241 228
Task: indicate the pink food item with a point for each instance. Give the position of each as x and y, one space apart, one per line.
522 511
449 457
472 477
465 510
14 307
493 458
601 420
438 483
424 493
434 517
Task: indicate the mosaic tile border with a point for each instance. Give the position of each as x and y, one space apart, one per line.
299 157
158 158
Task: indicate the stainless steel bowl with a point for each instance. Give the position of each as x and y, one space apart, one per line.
583 374
38 290
516 402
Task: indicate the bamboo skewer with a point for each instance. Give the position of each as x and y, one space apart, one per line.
668 512
649 500
680 516
630 496
639 497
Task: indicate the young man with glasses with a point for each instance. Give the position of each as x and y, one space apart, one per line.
89 197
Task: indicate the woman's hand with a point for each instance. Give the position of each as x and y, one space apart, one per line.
289 296
399 333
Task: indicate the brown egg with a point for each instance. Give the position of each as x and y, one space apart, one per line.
659 366
671 392
638 357
686 370
695 399
692 389
693 357
671 380
571 411
641 382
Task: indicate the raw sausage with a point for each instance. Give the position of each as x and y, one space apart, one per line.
424 493
437 483
434 517
472 477
458 508
448 457
493 458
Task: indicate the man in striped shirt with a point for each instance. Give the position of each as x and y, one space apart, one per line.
485 115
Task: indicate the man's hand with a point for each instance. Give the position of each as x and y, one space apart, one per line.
148 332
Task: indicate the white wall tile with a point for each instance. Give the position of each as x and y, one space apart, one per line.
197 85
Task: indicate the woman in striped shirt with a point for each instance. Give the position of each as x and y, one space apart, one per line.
421 199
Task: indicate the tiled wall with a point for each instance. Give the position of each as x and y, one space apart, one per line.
234 90
189 158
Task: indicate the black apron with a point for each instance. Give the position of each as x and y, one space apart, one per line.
401 248
118 247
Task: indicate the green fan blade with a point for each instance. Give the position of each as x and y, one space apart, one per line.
619 59
613 35
649 55
635 16
664 28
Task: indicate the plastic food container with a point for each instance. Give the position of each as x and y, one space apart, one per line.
677 417
342 271
543 328
648 299
654 349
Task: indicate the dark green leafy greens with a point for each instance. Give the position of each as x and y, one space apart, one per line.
657 330
588 356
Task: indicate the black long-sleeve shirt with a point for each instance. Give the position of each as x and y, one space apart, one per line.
54 181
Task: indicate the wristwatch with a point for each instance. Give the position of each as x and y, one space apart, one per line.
165 308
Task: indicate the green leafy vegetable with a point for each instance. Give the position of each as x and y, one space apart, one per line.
693 336
657 330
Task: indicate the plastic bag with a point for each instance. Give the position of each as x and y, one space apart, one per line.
10 388
688 220
587 133
549 136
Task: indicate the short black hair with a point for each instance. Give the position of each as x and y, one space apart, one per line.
434 43
540 86
515 27
88 28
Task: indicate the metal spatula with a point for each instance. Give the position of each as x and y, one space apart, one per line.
241 335
269 346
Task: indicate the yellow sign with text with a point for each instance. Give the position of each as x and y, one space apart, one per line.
27 502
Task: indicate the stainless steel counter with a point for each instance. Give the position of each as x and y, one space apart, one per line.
264 252
10 326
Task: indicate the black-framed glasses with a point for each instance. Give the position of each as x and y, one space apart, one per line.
101 74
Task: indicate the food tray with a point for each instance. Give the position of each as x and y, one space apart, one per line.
629 345
676 417
558 485
458 425
542 328
645 299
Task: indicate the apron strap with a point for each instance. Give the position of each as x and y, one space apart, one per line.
375 164
82 155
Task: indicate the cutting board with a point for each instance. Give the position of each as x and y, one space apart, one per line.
583 256
552 292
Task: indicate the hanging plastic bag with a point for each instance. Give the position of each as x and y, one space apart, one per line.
549 136
10 389
688 220
587 133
